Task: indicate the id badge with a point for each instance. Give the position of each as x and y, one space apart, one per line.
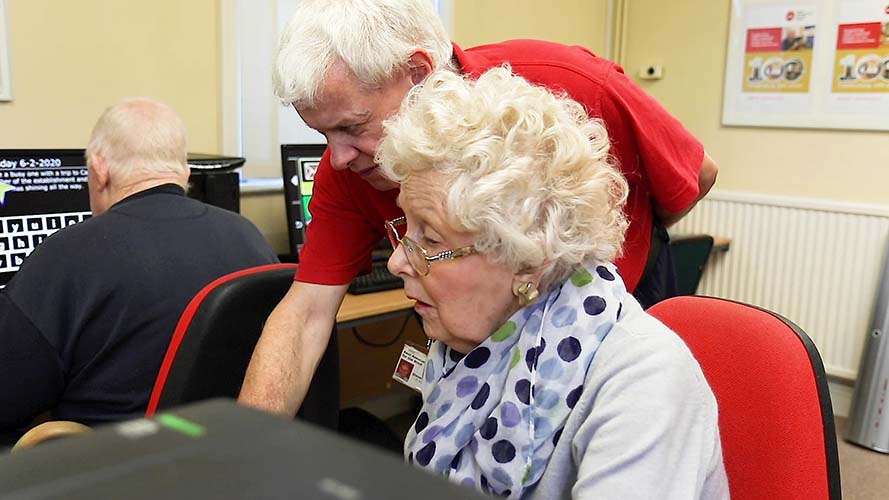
409 369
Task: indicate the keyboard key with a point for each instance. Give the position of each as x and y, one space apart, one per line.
19 242
22 234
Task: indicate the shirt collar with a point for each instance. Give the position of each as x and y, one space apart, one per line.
472 64
161 189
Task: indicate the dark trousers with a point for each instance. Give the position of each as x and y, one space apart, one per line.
659 278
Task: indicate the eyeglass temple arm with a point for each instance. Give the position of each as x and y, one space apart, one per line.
451 254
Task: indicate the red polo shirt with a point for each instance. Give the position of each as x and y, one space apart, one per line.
658 156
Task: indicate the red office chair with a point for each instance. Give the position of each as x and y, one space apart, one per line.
214 340
775 417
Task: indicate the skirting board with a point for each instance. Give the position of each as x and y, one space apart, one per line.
840 397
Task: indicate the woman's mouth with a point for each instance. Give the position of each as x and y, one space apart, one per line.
421 306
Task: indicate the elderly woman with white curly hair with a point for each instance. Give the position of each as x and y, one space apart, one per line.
546 379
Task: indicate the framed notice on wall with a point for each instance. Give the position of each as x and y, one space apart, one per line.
808 63
5 75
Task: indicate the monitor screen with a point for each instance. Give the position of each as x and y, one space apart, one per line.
299 162
41 191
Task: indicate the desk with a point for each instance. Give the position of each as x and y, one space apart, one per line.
384 318
720 243
358 309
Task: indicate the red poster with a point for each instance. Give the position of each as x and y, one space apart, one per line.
764 40
859 36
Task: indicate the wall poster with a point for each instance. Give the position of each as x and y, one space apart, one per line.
808 63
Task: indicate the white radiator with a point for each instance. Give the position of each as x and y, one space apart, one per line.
817 263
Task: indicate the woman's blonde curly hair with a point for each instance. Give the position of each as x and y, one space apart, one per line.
528 172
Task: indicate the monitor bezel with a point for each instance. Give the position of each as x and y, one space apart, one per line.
296 223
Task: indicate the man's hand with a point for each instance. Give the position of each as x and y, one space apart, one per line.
290 348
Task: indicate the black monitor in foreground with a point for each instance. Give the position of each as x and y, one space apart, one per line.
299 162
220 450
41 191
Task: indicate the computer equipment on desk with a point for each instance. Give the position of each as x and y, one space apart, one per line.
44 190
215 180
377 280
216 449
299 162
41 191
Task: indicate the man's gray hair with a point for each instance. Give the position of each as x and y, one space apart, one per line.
139 138
373 38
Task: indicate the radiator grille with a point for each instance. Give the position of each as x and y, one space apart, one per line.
818 263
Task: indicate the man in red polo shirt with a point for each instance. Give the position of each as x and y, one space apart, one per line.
345 66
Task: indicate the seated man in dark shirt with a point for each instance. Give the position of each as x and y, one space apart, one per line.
85 322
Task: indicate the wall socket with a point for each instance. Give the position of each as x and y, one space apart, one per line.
651 72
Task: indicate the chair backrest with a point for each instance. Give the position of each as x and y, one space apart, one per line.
690 254
49 431
775 417
211 347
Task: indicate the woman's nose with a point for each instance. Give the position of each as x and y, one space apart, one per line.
398 264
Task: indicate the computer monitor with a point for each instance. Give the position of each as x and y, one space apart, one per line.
41 191
44 190
221 450
299 162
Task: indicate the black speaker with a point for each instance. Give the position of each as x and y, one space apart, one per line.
221 189
215 180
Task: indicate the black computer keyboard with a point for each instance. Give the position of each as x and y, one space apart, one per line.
378 280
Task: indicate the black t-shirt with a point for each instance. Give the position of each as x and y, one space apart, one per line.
86 321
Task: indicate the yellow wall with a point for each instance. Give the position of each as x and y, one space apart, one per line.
689 38
580 22
268 212
72 59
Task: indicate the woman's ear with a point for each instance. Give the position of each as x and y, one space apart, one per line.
521 280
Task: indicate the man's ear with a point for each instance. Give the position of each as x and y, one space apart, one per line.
419 66
100 169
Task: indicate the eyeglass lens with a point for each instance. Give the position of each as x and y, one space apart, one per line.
416 257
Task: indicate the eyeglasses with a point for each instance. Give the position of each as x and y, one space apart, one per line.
417 256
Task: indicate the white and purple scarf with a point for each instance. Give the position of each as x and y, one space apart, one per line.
491 419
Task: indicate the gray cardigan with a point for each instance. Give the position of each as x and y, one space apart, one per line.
645 426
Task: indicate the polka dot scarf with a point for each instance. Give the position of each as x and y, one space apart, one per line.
491 419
